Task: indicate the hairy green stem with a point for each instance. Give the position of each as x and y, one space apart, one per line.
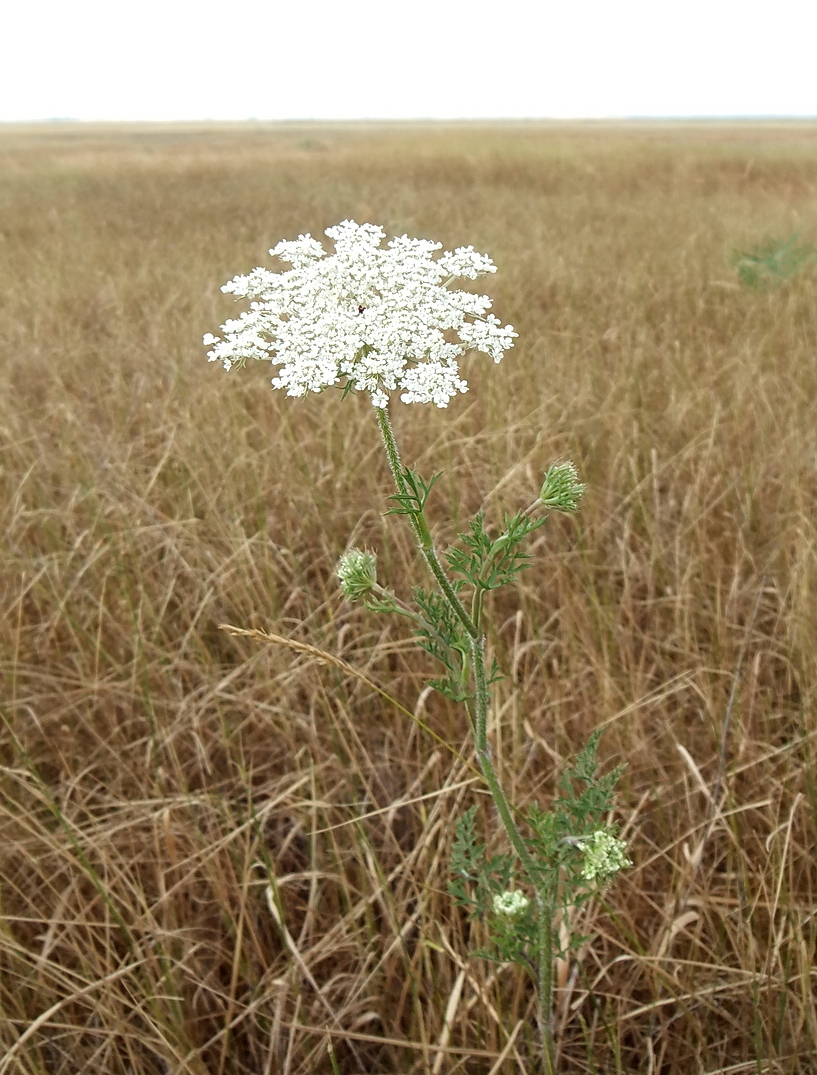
544 954
420 526
482 694
481 708
544 896
476 607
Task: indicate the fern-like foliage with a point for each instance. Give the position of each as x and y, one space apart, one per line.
561 834
413 501
773 262
444 639
477 880
488 563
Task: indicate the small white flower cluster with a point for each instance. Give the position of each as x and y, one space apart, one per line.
511 903
380 318
604 855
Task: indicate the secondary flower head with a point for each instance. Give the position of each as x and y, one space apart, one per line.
511 903
561 488
380 319
604 855
357 572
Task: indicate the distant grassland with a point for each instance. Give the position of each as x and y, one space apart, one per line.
157 773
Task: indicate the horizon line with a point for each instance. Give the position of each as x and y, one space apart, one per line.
634 118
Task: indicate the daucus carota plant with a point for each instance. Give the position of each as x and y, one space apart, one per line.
384 321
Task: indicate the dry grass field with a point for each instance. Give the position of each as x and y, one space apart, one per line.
224 858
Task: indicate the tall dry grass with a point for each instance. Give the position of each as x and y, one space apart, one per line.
224 857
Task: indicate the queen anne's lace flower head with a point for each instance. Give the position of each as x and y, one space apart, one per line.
510 903
380 319
604 855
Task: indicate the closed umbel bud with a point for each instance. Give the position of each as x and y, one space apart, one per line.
357 572
561 489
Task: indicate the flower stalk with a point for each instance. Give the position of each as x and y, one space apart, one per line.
420 525
482 704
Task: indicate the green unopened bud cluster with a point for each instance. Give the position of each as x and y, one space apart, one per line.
357 572
511 903
561 489
604 855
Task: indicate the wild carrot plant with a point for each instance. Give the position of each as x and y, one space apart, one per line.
384 321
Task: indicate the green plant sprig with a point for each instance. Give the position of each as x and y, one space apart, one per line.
772 262
568 851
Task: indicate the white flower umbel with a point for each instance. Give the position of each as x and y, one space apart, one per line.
604 855
511 903
378 319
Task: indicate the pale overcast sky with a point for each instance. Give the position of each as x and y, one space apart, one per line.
346 59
